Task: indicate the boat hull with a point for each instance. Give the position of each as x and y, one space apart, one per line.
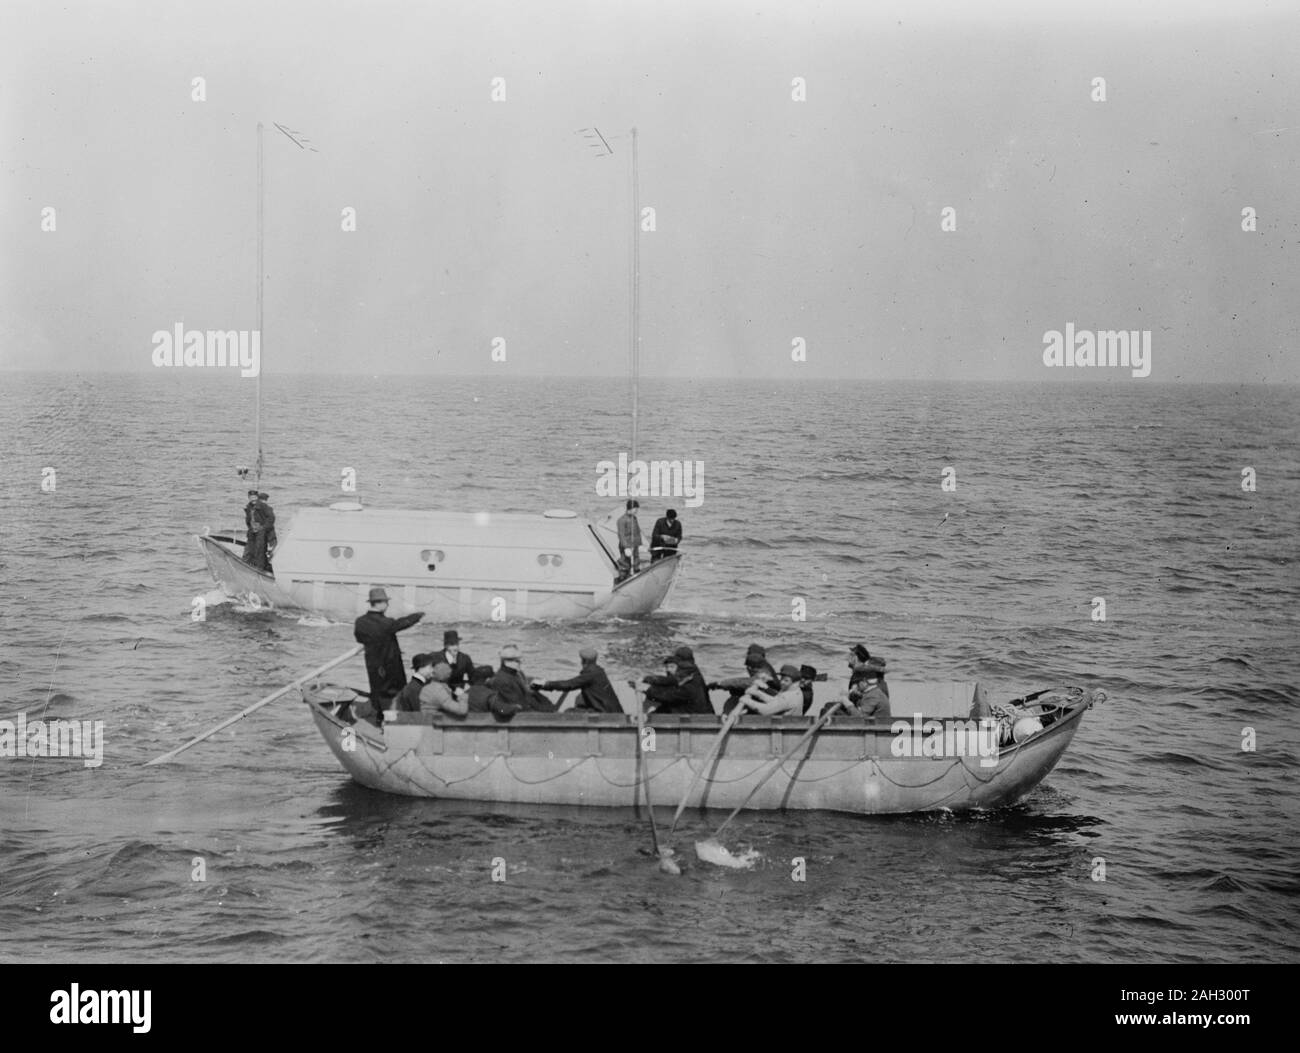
344 600
849 766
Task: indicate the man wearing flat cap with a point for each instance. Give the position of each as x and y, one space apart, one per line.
378 633
596 693
514 693
436 696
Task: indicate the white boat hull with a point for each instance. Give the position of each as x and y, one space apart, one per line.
345 600
569 759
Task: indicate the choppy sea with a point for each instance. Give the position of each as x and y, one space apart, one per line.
1183 785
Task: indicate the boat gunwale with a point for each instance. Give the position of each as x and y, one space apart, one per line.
683 721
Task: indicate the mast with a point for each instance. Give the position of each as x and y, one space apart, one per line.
260 273
636 296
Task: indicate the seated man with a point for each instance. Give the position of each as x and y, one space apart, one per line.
807 675
681 689
788 701
408 699
480 694
514 693
437 697
758 670
868 692
597 693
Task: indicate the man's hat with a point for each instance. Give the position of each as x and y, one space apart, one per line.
875 665
442 671
587 654
421 660
807 672
252 493
860 653
756 652
790 670
451 636
263 495
377 594
509 651
685 653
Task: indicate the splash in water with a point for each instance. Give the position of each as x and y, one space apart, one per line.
711 851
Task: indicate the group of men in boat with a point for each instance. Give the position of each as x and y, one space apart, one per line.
449 682
664 539
259 519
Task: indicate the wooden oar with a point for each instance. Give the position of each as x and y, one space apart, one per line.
821 723
664 853
727 723
257 705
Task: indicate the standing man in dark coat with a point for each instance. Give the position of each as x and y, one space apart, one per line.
383 655
255 537
460 664
268 529
597 693
666 536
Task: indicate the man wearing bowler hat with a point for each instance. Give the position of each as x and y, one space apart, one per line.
460 664
378 633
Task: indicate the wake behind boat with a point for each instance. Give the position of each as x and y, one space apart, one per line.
935 760
454 566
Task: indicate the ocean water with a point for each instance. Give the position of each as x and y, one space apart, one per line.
829 494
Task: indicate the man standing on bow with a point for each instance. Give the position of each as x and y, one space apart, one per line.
666 536
255 534
629 536
268 529
378 633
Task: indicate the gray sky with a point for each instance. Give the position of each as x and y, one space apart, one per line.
776 219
